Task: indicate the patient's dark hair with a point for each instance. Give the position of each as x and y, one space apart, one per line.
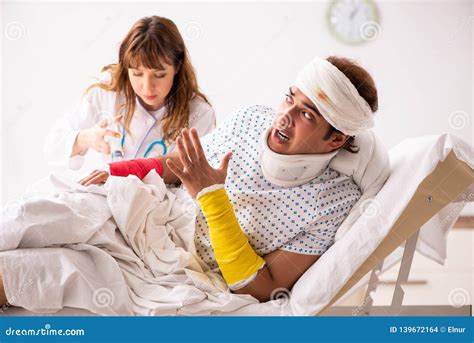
365 86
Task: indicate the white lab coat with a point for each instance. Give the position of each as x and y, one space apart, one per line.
99 103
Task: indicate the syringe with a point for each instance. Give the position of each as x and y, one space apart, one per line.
115 143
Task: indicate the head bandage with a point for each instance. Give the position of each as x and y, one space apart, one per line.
335 97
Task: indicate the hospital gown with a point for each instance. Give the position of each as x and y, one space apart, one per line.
302 219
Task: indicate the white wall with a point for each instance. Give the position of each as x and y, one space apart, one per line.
243 52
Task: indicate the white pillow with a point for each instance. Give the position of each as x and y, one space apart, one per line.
369 168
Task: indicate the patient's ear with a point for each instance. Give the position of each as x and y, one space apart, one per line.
337 140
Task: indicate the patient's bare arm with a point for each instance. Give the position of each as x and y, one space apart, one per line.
282 269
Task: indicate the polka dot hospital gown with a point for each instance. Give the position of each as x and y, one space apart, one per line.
301 219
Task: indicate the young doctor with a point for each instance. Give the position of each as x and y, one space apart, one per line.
140 105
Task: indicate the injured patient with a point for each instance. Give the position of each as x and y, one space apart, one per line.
247 208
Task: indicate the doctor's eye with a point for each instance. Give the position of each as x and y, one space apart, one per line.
288 98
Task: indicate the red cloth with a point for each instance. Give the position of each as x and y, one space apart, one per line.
139 167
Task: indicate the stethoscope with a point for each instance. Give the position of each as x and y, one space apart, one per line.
161 142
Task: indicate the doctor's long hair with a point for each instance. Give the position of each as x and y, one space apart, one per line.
150 42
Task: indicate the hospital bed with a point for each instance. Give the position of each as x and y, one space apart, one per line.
431 179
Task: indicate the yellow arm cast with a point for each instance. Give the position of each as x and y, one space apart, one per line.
235 256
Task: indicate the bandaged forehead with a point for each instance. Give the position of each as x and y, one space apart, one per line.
335 96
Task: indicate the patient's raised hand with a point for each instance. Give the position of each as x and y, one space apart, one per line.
195 172
94 178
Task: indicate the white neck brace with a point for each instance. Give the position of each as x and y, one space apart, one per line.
290 170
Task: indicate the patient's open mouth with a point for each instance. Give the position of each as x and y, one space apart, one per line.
281 136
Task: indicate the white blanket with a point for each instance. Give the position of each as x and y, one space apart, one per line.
125 248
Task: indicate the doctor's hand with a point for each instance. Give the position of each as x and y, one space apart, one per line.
94 138
94 178
196 173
